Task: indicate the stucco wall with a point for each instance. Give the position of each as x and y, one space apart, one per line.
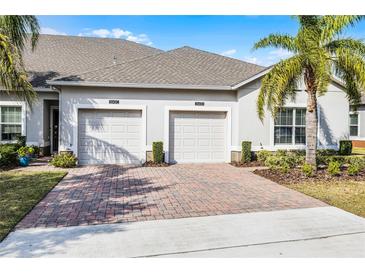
156 101
34 117
333 117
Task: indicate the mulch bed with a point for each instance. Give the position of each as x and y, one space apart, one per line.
249 164
295 176
153 164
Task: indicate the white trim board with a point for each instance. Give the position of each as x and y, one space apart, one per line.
168 109
77 107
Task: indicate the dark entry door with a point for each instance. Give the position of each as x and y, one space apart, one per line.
55 126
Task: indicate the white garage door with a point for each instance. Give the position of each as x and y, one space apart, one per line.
197 137
110 136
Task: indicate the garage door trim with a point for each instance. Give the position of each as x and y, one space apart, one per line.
142 108
169 109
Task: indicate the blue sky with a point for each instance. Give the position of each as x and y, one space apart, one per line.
232 36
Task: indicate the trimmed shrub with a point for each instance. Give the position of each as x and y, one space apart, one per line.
308 170
157 152
353 169
334 168
281 152
262 155
326 152
280 163
65 160
8 155
246 154
345 147
295 158
298 152
357 160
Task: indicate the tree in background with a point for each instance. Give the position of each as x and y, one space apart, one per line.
15 32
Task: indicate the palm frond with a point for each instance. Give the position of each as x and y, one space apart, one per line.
279 84
356 46
336 24
278 41
351 69
18 28
13 78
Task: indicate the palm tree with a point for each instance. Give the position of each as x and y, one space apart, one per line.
318 52
15 31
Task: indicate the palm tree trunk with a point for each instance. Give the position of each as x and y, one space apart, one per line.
311 128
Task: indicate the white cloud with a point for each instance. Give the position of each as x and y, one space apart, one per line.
141 38
229 52
118 33
46 30
101 33
269 58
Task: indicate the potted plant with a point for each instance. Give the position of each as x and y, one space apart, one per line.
23 156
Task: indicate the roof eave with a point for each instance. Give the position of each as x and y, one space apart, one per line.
136 85
252 78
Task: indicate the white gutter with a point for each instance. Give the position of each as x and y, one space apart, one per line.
136 85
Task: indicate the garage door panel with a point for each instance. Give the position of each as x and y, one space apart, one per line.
110 136
197 136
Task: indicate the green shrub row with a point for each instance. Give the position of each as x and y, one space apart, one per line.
284 161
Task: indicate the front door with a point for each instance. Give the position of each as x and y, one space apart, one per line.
55 122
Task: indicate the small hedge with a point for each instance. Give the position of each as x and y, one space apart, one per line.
65 160
334 168
308 170
8 155
157 152
262 155
246 154
345 147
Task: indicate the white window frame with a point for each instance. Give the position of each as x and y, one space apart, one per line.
20 104
292 145
358 125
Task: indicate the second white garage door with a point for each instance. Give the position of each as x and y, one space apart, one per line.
197 137
110 136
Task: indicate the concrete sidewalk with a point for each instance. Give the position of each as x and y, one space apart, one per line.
312 232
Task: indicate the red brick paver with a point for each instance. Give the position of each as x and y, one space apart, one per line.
110 194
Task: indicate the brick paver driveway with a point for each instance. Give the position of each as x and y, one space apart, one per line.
109 194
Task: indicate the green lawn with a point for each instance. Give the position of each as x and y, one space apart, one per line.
358 150
348 195
20 192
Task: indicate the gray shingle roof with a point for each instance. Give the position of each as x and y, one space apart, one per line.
57 56
182 66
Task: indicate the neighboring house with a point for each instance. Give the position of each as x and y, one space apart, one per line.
357 124
107 100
